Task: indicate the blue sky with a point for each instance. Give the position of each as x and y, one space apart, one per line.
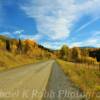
52 23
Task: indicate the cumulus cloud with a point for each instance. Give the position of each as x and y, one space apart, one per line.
56 18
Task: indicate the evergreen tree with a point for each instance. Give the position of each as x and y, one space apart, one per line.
8 48
19 47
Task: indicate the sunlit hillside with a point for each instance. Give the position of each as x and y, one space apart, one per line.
14 53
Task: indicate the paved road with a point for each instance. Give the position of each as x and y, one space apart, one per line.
35 82
25 83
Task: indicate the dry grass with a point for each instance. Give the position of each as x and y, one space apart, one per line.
87 79
10 60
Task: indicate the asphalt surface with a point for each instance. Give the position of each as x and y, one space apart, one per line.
41 81
25 83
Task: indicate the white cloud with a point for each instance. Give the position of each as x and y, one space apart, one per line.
31 37
97 33
76 44
94 41
56 18
11 34
5 33
97 45
89 42
54 45
18 32
87 24
22 35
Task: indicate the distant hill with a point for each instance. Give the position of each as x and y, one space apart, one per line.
88 47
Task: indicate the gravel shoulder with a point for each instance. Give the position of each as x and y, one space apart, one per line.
60 87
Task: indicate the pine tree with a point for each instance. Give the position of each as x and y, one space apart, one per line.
8 48
19 47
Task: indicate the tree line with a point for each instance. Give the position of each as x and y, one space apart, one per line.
32 49
25 47
78 55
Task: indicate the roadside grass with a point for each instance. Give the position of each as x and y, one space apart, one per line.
9 60
88 79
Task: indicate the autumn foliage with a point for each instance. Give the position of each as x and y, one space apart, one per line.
78 55
32 49
25 47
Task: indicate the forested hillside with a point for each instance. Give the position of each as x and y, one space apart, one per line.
27 47
79 55
15 52
15 48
